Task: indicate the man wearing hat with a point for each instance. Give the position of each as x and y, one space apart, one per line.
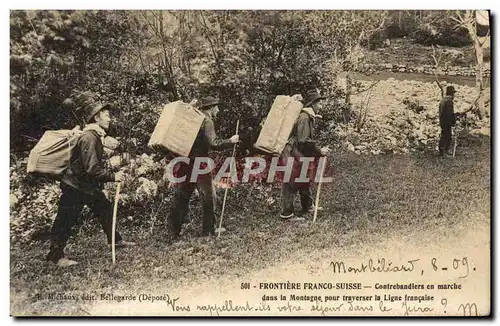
301 144
82 182
447 119
205 141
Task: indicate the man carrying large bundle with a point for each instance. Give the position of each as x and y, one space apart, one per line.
82 182
301 144
205 140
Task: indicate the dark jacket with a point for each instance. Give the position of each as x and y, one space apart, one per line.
207 139
86 171
302 138
446 113
300 144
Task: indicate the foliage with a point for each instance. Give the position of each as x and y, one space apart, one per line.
426 27
33 203
54 53
141 60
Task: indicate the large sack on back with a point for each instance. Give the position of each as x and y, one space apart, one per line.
279 124
177 128
51 155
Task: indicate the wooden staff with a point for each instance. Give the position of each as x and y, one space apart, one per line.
316 202
455 133
113 228
225 191
455 136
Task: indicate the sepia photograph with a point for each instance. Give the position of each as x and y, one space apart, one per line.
237 163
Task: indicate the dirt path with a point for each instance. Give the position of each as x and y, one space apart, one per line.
426 78
468 237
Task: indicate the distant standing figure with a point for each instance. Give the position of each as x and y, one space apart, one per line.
447 120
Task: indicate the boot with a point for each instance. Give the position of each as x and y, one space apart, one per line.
285 215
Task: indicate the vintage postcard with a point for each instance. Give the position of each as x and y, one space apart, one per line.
250 163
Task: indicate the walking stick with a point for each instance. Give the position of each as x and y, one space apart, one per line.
455 136
225 191
316 202
113 228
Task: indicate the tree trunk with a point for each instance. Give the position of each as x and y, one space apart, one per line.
479 78
471 25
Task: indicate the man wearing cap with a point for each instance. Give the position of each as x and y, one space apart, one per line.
205 141
447 119
82 182
301 144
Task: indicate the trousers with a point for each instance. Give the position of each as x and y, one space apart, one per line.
445 139
180 203
70 206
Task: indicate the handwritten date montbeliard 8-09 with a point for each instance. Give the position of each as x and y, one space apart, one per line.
383 265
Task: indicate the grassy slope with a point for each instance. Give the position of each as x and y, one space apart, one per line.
371 197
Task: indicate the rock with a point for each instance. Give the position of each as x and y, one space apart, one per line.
143 180
485 131
115 161
431 114
111 143
146 160
108 152
222 230
13 200
142 170
388 66
147 189
410 126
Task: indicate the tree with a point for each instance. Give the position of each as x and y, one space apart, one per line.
469 20
54 53
346 33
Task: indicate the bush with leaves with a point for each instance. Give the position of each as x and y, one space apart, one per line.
53 53
33 204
